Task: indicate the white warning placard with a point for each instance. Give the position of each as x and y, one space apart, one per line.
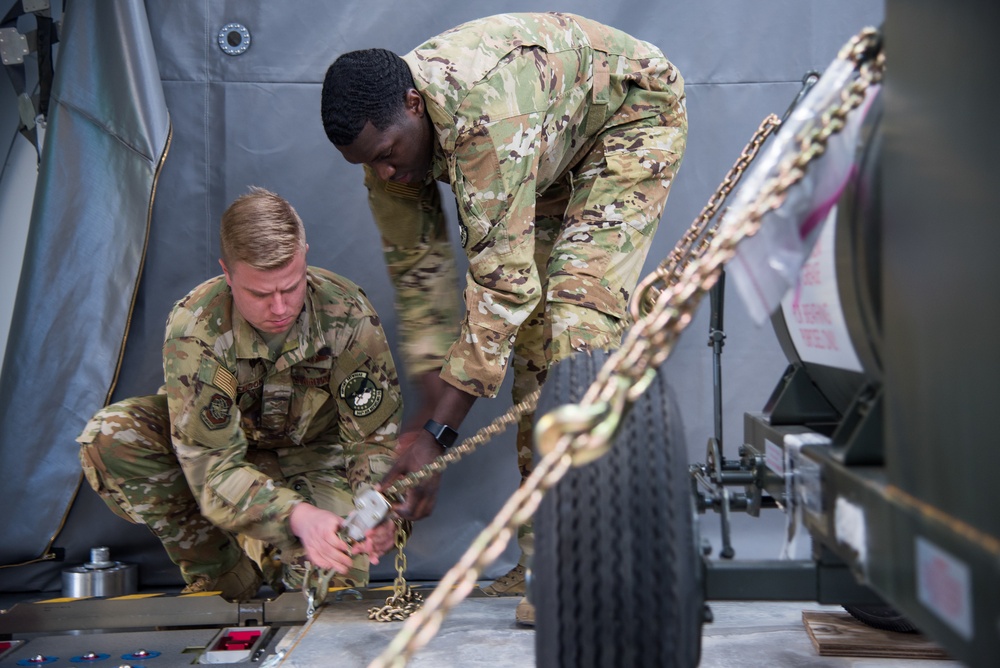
944 586
813 311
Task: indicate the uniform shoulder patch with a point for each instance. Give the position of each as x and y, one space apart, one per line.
215 414
361 393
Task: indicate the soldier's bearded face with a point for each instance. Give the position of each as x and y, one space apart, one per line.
403 151
270 299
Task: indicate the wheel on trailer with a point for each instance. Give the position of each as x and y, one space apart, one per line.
616 578
881 617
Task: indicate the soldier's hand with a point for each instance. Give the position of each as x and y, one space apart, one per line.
378 541
416 449
317 529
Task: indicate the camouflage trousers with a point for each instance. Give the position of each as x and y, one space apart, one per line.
569 227
593 332
127 458
628 172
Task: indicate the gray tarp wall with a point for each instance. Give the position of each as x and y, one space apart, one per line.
253 119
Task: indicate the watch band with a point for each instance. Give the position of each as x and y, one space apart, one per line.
442 433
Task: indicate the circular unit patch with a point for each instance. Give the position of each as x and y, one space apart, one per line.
362 395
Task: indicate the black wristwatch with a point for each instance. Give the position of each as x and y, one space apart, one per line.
442 433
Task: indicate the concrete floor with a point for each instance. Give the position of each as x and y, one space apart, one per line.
481 632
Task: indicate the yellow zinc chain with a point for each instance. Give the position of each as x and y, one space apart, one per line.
468 445
404 600
628 371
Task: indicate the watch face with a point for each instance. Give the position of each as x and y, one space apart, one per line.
442 433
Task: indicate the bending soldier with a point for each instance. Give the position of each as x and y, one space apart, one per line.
560 138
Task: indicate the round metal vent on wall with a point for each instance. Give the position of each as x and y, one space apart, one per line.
234 39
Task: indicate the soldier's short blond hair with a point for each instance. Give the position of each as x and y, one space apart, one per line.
261 229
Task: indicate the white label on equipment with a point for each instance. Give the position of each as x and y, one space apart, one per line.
774 457
944 586
813 311
849 524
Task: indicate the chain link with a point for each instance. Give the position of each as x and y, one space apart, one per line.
499 425
646 347
404 600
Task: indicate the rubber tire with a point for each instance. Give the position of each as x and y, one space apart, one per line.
616 578
881 617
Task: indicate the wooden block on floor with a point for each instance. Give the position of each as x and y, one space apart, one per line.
839 634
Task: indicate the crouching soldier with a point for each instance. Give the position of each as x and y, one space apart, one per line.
280 403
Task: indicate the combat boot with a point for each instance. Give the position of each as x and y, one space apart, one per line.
510 584
524 613
239 583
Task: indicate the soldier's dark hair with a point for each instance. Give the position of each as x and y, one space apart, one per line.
261 229
362 86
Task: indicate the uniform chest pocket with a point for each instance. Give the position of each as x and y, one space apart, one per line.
309 413
310 376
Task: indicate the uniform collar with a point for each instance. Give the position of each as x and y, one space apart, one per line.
439 163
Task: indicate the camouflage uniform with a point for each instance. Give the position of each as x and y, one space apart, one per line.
238 434
560 138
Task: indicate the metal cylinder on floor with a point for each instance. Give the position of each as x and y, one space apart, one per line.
100 577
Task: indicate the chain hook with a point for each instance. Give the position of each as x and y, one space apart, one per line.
315 586
590 427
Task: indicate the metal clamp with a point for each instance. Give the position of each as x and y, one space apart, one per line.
370 508
13 46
